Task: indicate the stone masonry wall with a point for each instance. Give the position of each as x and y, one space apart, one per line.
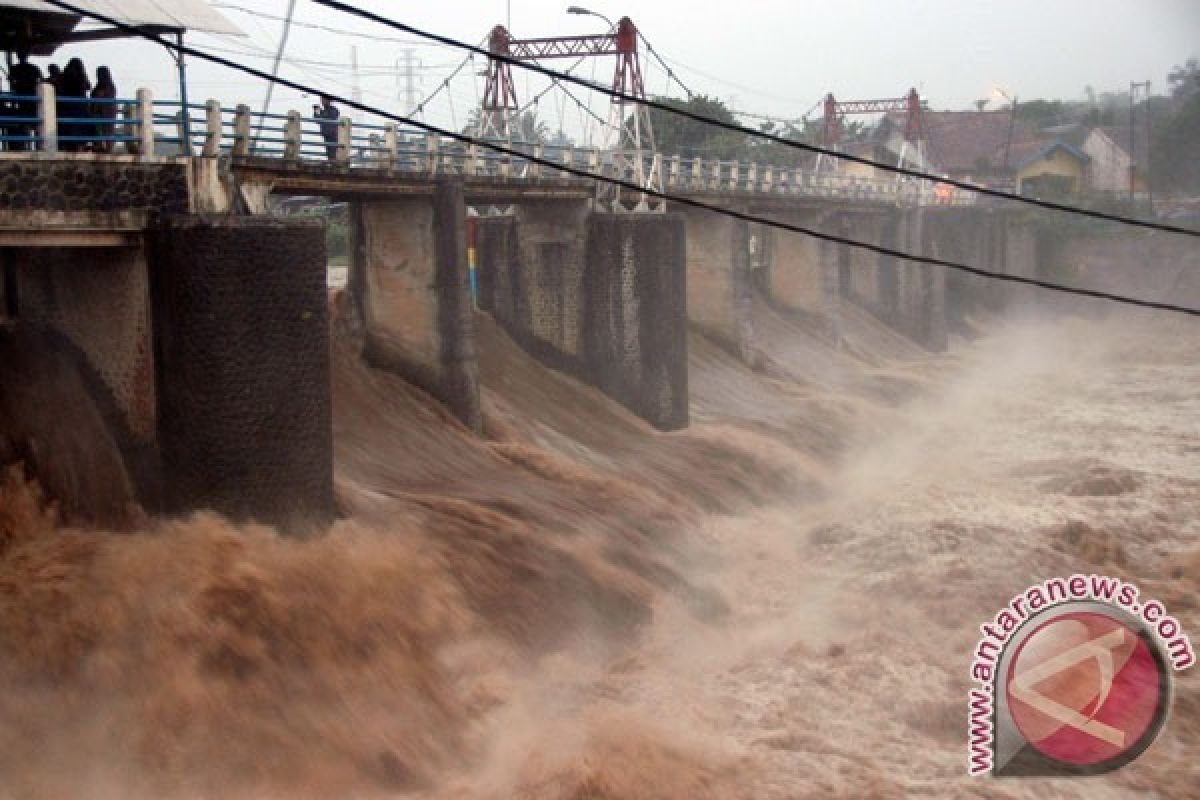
81 184
243 373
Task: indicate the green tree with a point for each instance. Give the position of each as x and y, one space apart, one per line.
1175 154
688 137
526 127
1184 80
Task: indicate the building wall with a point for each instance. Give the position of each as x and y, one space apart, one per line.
1109 168
1056 163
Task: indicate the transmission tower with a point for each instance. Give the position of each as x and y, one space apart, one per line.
406 68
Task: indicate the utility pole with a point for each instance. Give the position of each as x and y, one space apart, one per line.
356 88
1146 167
1133 87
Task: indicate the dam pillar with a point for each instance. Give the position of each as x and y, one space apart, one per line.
601 297
1019 257
907 296
409 284
719 286
531 274
241 351
635 314
866 274
921 288
802 274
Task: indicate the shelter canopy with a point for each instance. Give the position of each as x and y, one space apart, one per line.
45 26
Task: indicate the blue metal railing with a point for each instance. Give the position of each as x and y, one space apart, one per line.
143 126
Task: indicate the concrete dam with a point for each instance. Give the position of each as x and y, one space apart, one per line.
626 514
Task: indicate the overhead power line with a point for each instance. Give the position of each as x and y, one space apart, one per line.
670 72
811 148
314 26
287 29
629 185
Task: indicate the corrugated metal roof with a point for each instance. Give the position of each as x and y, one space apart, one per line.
192 15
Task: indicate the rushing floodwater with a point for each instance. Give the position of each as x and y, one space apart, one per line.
778 603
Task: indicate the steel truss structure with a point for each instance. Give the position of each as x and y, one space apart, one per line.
909 105
627 149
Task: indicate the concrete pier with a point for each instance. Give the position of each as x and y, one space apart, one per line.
409 283
241 346
599 296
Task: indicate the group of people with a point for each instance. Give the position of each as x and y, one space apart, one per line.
86 113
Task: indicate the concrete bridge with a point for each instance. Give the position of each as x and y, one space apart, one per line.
200 321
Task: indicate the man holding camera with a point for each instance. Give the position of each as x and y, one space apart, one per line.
328 113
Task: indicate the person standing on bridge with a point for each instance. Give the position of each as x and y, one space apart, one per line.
105 110
74 88
23 80
328 113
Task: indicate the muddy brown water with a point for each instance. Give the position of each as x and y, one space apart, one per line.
780 602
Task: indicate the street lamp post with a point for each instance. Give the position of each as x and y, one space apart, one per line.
588 12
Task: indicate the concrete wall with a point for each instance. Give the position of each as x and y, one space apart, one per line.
719 284
863 268
908 296
243 377
1150 265
635 314
550 251
612 313
93 305
408 277
531 276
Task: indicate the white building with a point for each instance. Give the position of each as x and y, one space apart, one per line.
1110 164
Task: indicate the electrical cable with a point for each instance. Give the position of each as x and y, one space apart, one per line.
315 26
670 72
420 107
632 187
337 5
287 29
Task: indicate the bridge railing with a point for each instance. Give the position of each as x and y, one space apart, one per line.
49 123
144 126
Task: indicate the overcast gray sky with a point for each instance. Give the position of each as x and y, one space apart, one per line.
769 56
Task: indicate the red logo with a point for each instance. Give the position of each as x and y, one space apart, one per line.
1084 689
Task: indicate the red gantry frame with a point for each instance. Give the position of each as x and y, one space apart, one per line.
909 105
629 136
